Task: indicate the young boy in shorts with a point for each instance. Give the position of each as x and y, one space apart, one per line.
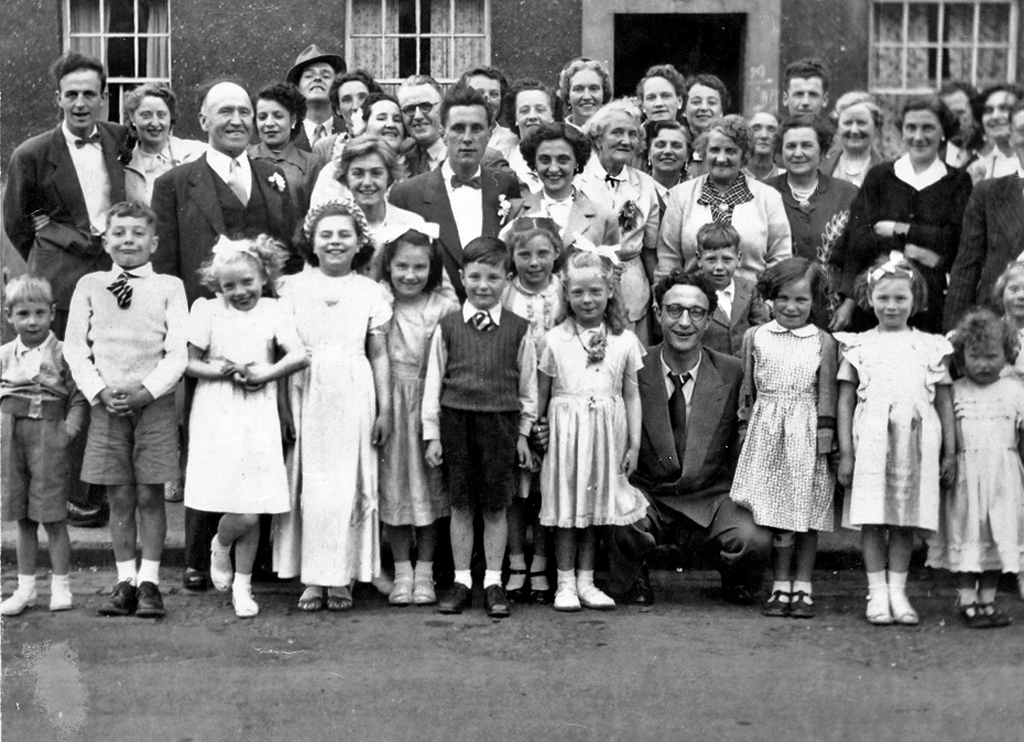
739 308
479 402
127 348
42 411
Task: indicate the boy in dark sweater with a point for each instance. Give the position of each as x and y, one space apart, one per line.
479 402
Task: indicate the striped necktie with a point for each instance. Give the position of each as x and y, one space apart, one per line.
121 290
483 322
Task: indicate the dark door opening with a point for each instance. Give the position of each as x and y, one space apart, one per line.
693 42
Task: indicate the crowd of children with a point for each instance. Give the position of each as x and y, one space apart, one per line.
399 408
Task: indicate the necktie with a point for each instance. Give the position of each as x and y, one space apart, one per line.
236 183
483 322
677 413
122 291
318 133
473 182
94 139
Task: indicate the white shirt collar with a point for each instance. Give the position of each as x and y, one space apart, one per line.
447 172
919 181
468 310
141 271
221 162
437 151
72 138
800 332
666 370
20 349
310 127
729 290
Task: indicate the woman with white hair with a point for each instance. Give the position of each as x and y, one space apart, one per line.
858 125
608 179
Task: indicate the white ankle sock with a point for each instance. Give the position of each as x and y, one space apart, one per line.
424 571
987 595
897 582
149 571
464 577
126 571
804 587
784 588
403 571
876 581
584 577
26 584
60 582
242 583
492 577
968 596
566 577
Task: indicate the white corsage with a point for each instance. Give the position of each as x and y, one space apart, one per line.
277 181
504 206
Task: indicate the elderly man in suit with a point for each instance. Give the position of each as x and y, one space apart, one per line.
690 441
221 193
60 185
992 234
313 73
467 200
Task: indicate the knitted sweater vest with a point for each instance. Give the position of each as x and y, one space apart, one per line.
482 372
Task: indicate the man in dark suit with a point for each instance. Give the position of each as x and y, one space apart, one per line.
221 193
60 185
690 441
992 234
313 73
465 199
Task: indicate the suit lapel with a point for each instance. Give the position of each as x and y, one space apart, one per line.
740 302
489 201
65 179
706 410
654 405
115 172
1009 215
580 216
203 193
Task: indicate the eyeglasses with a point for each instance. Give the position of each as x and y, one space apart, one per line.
425 107
675 311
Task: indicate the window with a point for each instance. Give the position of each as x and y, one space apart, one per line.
132 37
918 46
393 39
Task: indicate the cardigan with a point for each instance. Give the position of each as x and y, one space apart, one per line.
819 228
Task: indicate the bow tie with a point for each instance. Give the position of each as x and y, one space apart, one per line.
94 139
613 180
473 182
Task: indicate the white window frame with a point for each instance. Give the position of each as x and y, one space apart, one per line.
939 46
384 36
124 83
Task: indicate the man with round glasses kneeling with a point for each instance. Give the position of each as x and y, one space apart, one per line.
688 450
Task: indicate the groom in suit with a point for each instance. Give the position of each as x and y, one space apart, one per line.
221 193
992 235
688 449
465 199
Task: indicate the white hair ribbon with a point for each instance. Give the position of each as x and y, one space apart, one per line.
605 251
892 265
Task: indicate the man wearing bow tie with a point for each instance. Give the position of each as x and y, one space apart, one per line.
467 200
62 182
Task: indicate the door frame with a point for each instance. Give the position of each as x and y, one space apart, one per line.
760 68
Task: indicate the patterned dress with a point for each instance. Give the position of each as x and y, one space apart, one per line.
781 478
981 526
897 435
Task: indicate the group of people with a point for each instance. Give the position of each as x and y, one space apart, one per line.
557 318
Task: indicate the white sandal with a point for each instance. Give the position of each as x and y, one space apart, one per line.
878 612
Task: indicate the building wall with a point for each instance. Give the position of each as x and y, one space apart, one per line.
535 37
837 32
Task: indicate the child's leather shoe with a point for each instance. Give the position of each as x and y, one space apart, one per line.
18 602
151 603
123 600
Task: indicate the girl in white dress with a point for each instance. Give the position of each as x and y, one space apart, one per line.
535 294
412 496
789 398
588 390
341 412
235 464
980 530
895 418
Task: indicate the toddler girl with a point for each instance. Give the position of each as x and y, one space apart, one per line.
587 386
340 409
980 529
790 382
235 465
895 415
411 494
536 295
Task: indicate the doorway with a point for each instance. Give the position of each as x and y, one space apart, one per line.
692 42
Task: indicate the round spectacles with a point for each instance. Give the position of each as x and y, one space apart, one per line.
675 311
425 107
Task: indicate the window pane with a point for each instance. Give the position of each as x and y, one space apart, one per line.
121 57
469 17
995 23
992 66
365 18
924 22
122 16
153 16
469 53
886 67
888 22
959 23
957 64
366 54
90 46
85 17
154 56
921 68
389 64
436 50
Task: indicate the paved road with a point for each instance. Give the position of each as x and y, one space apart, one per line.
689 669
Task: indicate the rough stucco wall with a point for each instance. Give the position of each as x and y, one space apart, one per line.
535 37
29 42
835 31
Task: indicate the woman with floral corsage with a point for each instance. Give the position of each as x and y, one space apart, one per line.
608 179
588 390
724 194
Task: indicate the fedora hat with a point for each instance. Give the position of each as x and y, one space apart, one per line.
312 54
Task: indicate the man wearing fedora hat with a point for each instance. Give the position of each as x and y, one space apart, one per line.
313 73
